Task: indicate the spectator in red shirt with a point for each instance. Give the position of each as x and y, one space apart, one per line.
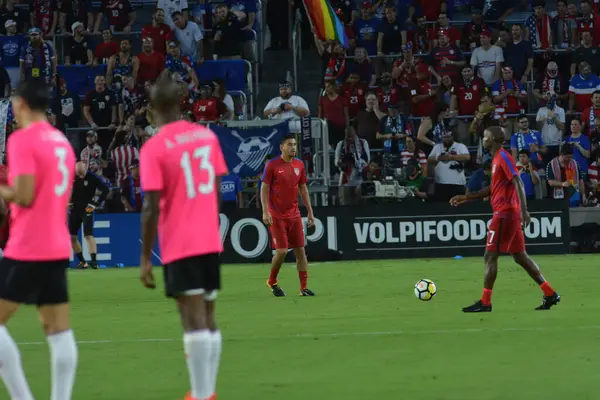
355 93
444 25
208 108
152 62
387 92
589 22
119 14
446 58
106 49
158 31
334 109
44 15
466 97
590 114
432 9
421 93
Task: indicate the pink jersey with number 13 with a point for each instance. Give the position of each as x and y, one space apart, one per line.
39 232
182 162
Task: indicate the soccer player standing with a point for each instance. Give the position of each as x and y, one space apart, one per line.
284 176
510 217
41 167
83 204
180 174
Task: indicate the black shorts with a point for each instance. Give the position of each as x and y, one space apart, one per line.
193 275
75 221
34 282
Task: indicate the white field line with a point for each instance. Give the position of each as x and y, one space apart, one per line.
342 334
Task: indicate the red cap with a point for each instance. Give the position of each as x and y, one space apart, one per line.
365 4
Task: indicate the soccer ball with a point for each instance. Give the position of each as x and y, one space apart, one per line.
252 144
425 289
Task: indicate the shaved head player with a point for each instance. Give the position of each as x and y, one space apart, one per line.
181 168
41 168
510 217
283 177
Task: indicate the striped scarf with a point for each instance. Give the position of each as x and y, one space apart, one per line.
571 176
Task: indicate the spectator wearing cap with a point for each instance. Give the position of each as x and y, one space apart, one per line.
487 59
365 29
152 62
181 65
208 108
245 12
11 44
106 49
587 52
73 11
189 36
9 11
172 6
334 109
287 106
92 152
132 195
582 87
44 15
391 33
509 94
70 106
518 54
422 94
472 31
78 47
37 58
158 31
551 82
446 58
392 133
227 35
443 25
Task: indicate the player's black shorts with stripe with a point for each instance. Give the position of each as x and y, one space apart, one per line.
192 275
75 221
34 282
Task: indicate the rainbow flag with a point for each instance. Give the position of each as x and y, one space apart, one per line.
325 22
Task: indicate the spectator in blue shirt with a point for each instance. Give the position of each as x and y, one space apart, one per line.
528 139
581 146
365 29
480 178
528 174
11 45
231 192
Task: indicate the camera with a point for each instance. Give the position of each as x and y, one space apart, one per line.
457 166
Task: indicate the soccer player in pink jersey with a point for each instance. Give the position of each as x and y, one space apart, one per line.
180 173
41 167
510 217
283 178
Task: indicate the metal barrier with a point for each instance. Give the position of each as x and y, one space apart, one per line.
297 45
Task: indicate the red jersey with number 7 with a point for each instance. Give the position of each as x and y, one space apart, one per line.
504 194
283 179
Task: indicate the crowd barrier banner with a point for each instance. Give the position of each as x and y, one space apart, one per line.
355 233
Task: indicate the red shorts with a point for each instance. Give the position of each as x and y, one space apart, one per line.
287 233
505 235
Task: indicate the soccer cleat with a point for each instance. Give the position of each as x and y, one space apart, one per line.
478 306
82 265
93 264
188 396
277 291
307 292
549 301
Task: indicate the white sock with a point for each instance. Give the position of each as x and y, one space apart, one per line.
215 356
11 369
197 347
63 356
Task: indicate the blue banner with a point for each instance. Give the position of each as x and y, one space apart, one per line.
245 149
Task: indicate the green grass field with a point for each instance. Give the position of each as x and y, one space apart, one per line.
364 336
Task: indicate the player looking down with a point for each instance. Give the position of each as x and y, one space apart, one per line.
282 179
181 168
41 166
83 204
510 217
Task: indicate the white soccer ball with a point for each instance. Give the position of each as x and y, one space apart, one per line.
425 289
253 144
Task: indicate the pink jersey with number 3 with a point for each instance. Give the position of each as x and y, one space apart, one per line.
182 162
39 232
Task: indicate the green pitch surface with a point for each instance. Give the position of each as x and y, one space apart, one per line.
364 336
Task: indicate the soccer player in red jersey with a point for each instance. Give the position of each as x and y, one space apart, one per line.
510 217
284 176
181 169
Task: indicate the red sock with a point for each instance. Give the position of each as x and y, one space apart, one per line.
486 297
547 289
273 275
303 275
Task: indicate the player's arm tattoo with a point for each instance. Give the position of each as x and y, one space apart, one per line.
150 212
516 180
482 194
305 197
264 196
